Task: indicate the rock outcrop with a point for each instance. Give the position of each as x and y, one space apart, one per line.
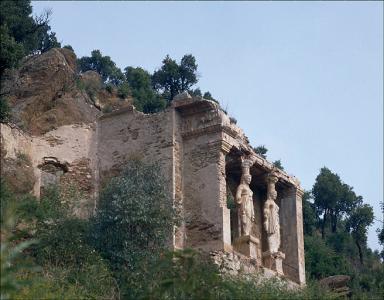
43 94
47 92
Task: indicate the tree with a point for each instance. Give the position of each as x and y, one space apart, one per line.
344 205
196 92
208 96
334 199
11 51
326 191
173 78
380 232
102 65
358 222
145 98
69 47
277 164
309 214
261 150
21 34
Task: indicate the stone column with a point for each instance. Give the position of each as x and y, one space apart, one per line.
247 243
292 234
224 150
273 258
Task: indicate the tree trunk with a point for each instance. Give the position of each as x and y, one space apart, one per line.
323 225
334 223
360 252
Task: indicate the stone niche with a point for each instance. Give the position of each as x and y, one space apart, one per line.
202 153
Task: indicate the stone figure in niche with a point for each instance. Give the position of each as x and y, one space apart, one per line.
244 200
271 217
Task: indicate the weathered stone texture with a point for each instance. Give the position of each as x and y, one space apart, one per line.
200 153
65 156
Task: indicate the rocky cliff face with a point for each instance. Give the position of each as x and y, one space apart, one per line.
46 92
43 94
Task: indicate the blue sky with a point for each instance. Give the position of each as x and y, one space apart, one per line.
303 78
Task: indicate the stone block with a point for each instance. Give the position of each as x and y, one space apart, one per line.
274 261
247 245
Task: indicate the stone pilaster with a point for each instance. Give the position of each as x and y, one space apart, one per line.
292 241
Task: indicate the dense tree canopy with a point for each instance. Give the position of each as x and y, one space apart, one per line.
22 34
333 198
173 78
103 65
358 222
335 226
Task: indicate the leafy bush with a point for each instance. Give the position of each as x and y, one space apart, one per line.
109 88
69 47
135 211
322 261
11 260
123 90
5 111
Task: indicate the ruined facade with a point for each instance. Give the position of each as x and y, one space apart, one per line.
234 204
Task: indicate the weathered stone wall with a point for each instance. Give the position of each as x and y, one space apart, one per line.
129 134
200 153
71 146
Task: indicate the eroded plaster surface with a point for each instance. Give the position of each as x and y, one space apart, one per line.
207 162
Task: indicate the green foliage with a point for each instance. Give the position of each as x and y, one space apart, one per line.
309 214
358 222
134 209
145 98
333 199
380 232
188 274
208 96
277 164
11 51
261 150
21 34
12 260
91 87
196 92
5 110
69 47
123 90
109 88
173 78
321 261
103 65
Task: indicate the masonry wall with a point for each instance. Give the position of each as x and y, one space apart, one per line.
71 145
128 134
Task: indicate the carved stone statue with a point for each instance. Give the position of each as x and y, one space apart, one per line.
244 199
271 217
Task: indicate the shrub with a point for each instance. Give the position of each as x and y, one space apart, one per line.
109 88
69 47
5 111
321 260
123 90
135 211
12 260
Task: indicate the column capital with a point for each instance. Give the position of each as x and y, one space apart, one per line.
225 147
272 177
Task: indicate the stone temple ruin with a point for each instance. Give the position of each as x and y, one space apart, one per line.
234 204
